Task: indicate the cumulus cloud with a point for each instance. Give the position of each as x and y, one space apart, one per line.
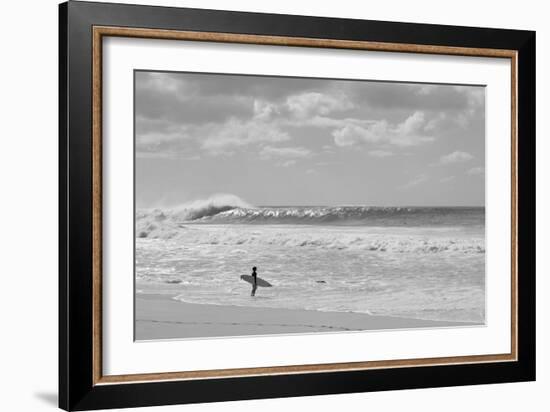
447 179
455 157
304 109
476 171
235 133
352 134
313 103
286 163
450 106
419 179
410 132
425 97
269 152
185 114
156 138
179 99
265 120
158 81
284 156
264 110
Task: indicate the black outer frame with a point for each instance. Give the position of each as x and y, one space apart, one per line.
76 389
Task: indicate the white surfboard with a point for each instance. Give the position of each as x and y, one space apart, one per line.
259 281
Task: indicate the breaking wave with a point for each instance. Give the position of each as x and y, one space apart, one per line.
163 223
229 209
351 215
417 262
184 221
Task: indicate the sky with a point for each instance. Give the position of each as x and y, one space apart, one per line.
280 141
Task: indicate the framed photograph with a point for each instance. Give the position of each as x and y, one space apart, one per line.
256 206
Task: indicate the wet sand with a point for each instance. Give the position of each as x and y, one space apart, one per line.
160 317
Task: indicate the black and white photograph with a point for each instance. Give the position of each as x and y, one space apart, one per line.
286 205
245 206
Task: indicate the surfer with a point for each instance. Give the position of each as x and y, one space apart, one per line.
255 281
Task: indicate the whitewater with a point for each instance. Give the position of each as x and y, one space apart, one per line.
416 262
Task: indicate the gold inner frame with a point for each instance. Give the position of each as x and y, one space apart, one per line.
101 31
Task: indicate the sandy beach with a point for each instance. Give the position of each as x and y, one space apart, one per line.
160 317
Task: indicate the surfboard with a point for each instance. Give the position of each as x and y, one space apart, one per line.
259 281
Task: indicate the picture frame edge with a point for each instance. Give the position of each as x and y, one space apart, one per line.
82 391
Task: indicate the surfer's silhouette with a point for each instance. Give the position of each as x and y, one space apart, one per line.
255 282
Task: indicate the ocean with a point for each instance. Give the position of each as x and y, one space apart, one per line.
415 262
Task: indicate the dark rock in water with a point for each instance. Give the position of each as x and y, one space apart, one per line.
320 281
173 281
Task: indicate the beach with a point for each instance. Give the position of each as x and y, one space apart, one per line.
159 316
331 269
357 217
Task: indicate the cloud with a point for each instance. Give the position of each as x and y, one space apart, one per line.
178 98
155 155
472 107
163 82
269 152
166 155
284 156
447 179
326 163
426 97
327 149
215 85
313 103
287 163
455 157
221 122
415 181
156 138
376 95
224 113
379 153
264 110
234 133
304 109
353 134
410 132
476 171
168 141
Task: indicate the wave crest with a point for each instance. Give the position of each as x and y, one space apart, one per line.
351 215
164 223
211 206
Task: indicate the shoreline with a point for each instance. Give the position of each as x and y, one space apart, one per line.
158 316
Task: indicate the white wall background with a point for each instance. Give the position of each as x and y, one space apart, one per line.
28 205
